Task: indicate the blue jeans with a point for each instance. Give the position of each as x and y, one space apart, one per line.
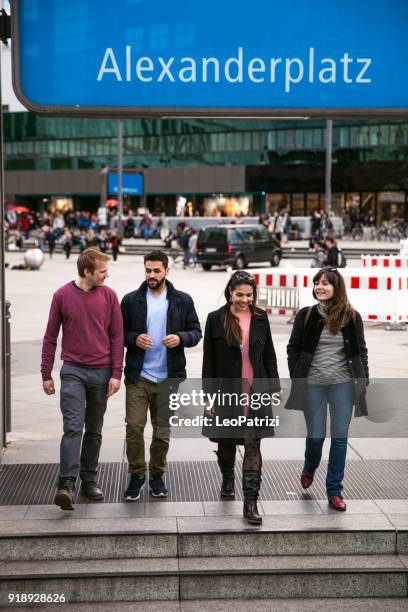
340 399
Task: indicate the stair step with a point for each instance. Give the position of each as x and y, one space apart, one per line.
297 563
205 578
291 584
291 535
355 604
205 565
71 538
76 569
76 539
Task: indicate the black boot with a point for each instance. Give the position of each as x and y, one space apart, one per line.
251 483
226 461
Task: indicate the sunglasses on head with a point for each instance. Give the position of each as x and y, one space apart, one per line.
243 276
330 269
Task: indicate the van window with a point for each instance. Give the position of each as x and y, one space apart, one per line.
263 233
213 235
247 234
235 236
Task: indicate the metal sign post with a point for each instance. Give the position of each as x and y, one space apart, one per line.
4 383
120 173
329 162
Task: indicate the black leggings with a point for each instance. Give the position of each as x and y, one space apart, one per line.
252 455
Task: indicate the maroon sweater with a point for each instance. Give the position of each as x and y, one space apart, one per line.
92 330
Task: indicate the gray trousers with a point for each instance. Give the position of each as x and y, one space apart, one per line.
83 403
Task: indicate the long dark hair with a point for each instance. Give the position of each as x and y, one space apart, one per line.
231 322
339 309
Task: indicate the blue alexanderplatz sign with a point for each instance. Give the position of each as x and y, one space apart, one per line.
219 58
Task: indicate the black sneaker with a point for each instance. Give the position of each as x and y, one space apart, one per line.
91 491
135 487
157 486
64 497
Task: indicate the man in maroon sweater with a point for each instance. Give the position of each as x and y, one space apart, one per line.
92 352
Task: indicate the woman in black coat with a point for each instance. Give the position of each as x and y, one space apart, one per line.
327 358
240 363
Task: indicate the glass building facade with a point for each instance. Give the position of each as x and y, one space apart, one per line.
284 160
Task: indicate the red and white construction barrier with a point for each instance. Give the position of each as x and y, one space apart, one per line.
378 295
385 261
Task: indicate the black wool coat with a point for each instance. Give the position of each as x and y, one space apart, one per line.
181 320
302 346
222 367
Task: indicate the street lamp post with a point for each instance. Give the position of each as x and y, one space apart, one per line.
5 34
120 174
329 154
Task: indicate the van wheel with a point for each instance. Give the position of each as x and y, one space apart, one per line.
275 260
240 263
206 267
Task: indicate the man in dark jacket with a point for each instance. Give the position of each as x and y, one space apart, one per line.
159 323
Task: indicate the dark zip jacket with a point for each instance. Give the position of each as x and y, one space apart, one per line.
181 320
302 346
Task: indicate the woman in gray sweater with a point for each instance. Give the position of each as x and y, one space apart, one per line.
328 365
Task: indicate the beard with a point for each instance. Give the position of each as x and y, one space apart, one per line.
153 283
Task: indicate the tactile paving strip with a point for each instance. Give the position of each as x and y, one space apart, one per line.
192 481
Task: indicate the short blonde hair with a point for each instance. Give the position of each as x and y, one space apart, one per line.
88 259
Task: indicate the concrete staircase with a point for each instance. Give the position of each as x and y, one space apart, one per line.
191 562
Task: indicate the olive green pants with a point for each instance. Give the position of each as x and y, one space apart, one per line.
140 397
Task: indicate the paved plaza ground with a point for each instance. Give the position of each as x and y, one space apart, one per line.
36 419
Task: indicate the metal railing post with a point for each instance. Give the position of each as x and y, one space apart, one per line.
7 367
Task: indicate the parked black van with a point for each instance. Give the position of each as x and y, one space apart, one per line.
236 246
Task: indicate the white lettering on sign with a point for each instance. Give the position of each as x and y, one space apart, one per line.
237 66
256 65
367 64
109 55
237 69
330 71
216 64
188 74
143 65
298 72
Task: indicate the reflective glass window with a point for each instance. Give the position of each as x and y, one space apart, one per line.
299 139
290 139
298 204
271 140
280 139
344 137
317 138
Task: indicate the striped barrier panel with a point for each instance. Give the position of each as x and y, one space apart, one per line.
379 295
385 261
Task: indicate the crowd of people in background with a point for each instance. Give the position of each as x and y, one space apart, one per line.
280 225
72 229
83 229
